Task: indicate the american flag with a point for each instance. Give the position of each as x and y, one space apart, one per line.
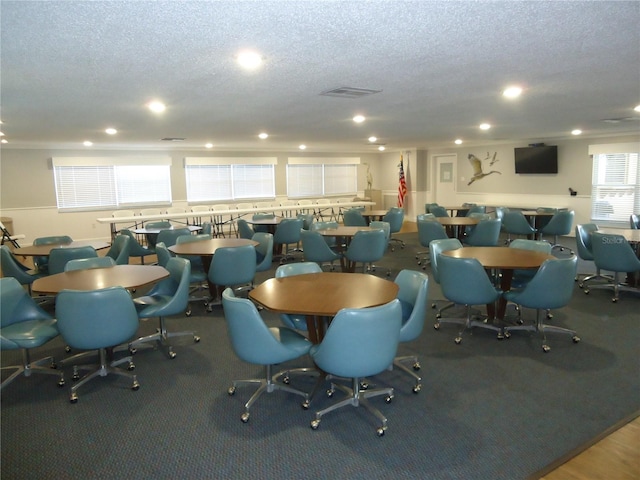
402 186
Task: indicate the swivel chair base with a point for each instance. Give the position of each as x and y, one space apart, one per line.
356 397
161 339
469 322
614 283
398 362
28 367
540 327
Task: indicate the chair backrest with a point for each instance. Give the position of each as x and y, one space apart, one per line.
299 268
264 250
244 229
384 226
92 319
58 257
169 237
250 337
307 220
353 218
425 217
395 217
315 248
438 211
135 249
413 295
233 266
159 224
427 206
485 234
583 240
429 230
11 267
525 244
163 253
288 231
41 263
500 211
613 253
195 260
85 263
552 286
436 247
263 216
476 209
634 221
367 246
464 281
560 224
120 249
174 290
513 221
360 341
16 305
207 228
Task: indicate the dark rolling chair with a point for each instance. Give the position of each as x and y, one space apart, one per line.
515 223
613 253
413 292
166 298
119 250
359 343
550 288
135 249
11 267
41 263
59 257
395 218
465 282
254 342
24 326
353 218
560 224
97 320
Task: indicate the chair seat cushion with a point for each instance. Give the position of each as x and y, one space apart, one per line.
296 344
149 305
29 334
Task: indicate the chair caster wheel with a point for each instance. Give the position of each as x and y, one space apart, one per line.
389 398
575 339
586 291
135 386
196 339
53 366
131 366
614 300
245 417
416 366
364 385
73 398
458 340
330 393
436 326
546 348
75 377
188 313
315 424
416 389
132 351
231 390
172 355
380 431
306 404
61 383
67 349
286 380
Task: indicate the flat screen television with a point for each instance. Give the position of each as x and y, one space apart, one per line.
540 159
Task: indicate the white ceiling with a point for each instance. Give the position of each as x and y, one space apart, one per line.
71 69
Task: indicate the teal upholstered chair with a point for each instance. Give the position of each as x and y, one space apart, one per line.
584 250
438 211
561 223
485 234
359 343
163 253
198 286
59 257
167 298
170 236
522 277
428 230
244 229
41 263
98 320
436 247
465 282
287 234
550 288
366 247
11 267
413 295
300 268
315 249
24 326
254 342
152 238
353 218
331 241
515 223
264 250
233 267
119 250
135 249
85 263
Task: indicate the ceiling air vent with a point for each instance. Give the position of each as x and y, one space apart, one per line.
349 92
173 139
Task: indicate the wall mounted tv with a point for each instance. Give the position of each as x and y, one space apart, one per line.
537 159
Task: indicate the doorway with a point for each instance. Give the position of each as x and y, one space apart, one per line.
445 179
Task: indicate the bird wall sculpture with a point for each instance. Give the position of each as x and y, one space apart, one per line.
476 163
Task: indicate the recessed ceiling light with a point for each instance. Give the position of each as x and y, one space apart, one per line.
302 147
373 139
1 134
458 141
87 143
358 118
263 136
156 106
4 140
381 148
111 131
512 92
577 131
249 60
208 145
637 109
485 126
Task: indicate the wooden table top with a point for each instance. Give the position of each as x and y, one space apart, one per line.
457 221
502 257
323 294
630 234
374 213
342 231
209 247
44 250
127 276
192 228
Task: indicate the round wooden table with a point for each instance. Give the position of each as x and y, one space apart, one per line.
505 259
453 224
370 215
45 250
127 276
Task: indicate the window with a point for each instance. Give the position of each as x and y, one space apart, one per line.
318 177
223 179
615 193
109 183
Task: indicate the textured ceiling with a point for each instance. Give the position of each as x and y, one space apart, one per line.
70 69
